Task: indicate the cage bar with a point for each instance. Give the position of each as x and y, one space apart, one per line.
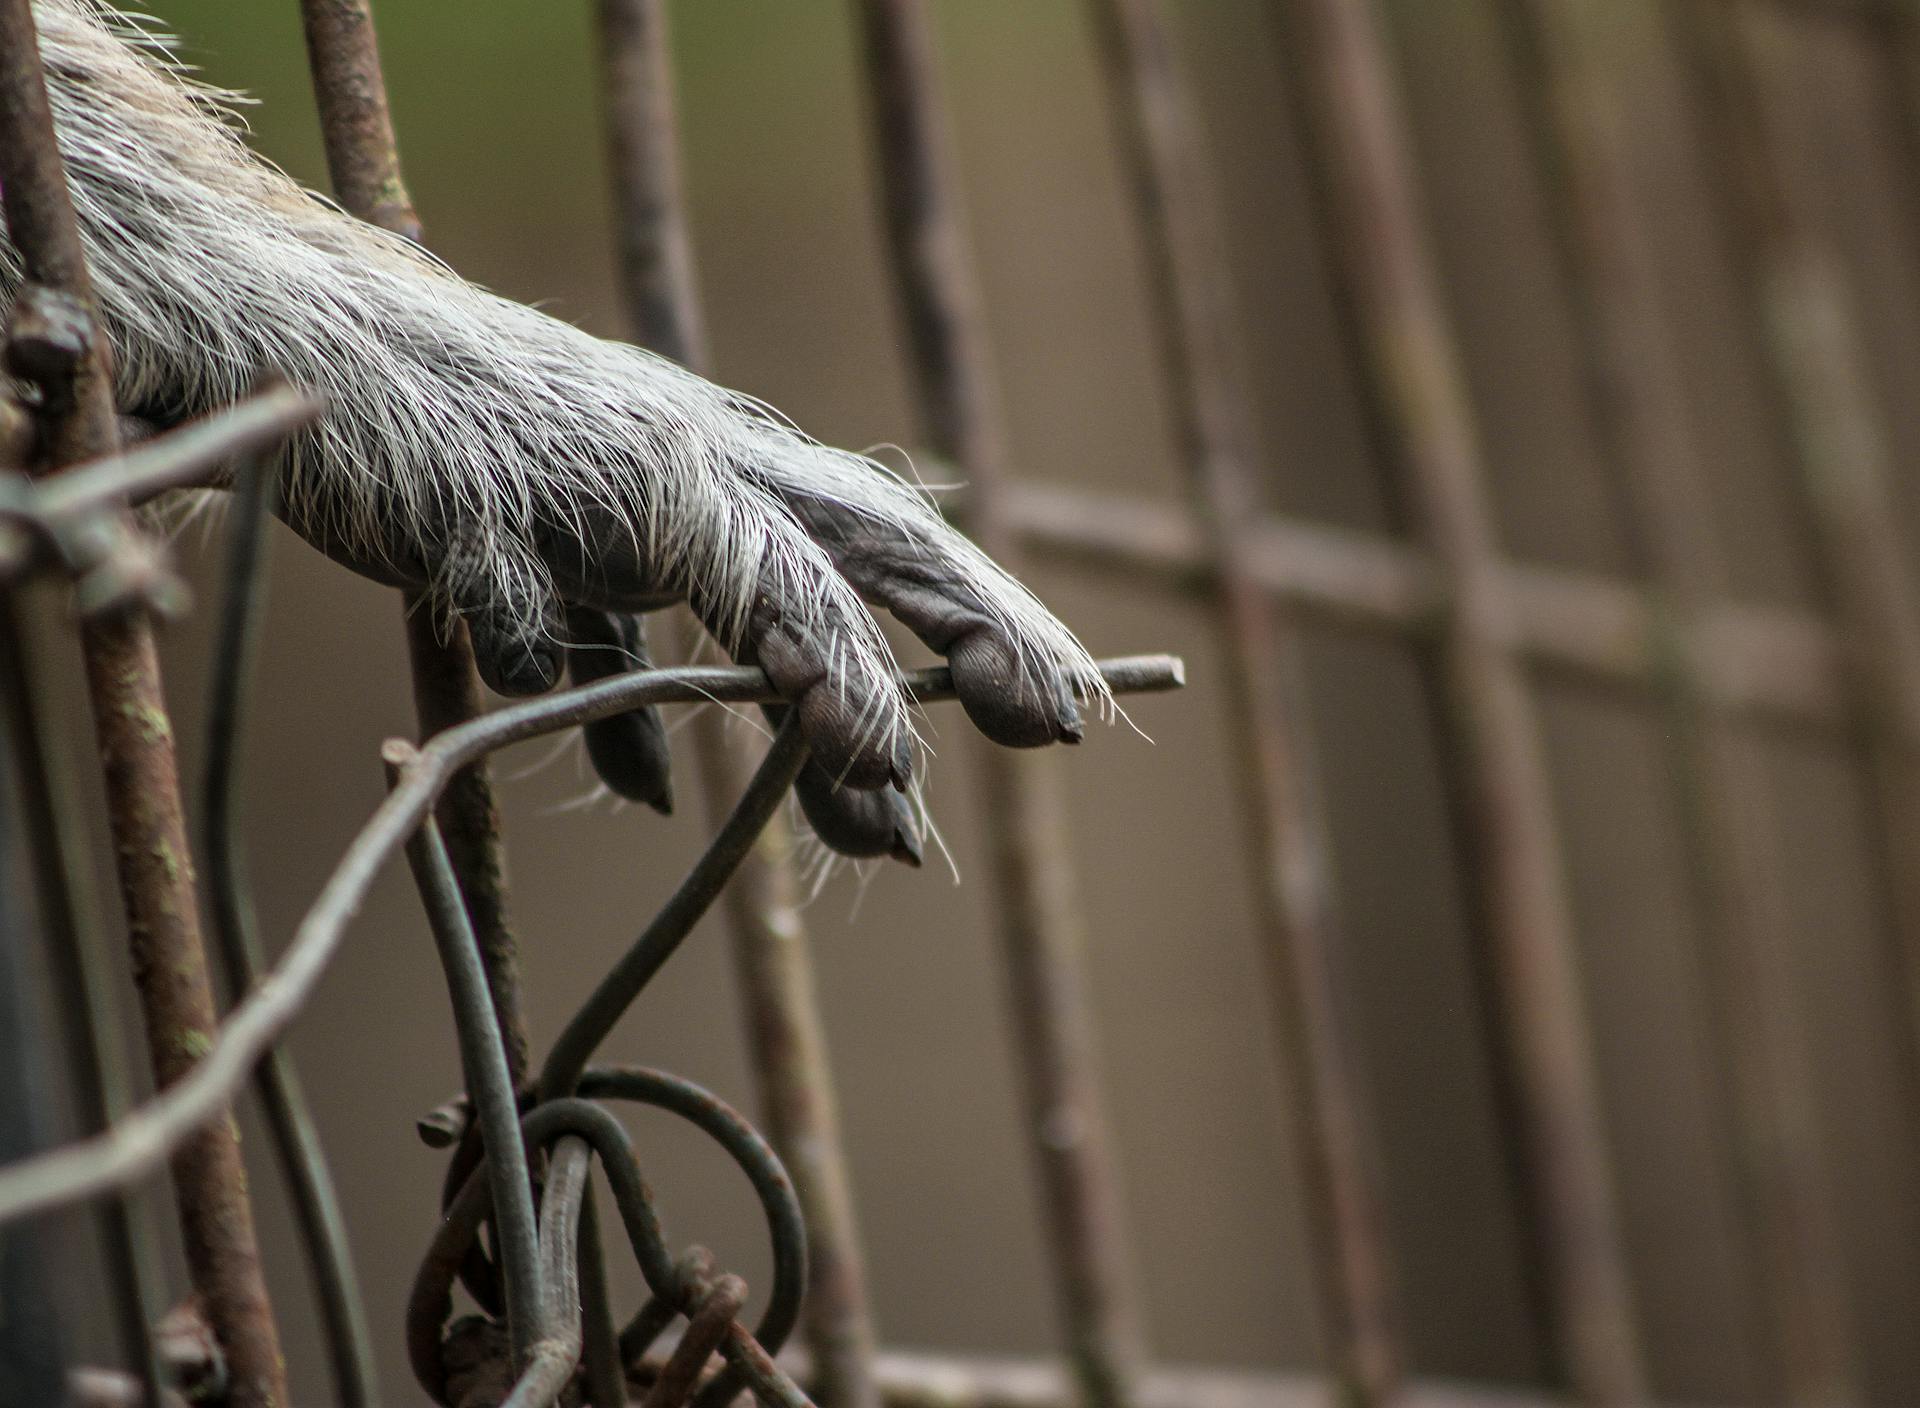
1027 848
1804 333
1282 819
153 860
1375 236
785 1031
363 163
1566 66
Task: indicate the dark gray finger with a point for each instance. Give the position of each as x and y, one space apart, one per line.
1015 701
861 741
506 601
628 750
825 666
858 824
514 618
851 822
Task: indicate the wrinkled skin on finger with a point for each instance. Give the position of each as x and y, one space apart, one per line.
628 750
1019 703
575 612
852 822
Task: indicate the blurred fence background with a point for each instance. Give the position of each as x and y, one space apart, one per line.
1577 341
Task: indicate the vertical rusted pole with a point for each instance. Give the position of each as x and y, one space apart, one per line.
1892 32
1375 231
80 975
1569 60
788 1046
1282 818
33 1347
787 1037
363 162
1806 331
1038 913
135 735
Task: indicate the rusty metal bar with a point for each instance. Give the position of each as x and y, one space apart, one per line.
749 1360
1037 911
446 693
290 1126
137 1143
135 736
195 454
81 979
786 1035
1766 663
733 842
602 1369
924 1381
1892 31
483 1066
912 1379
706 1328
363 162
1282 818
788 1047
1805 331
1863 13
1568 68
33 1344
1375 238
556 1348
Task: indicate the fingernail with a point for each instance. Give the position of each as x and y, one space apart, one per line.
1070 726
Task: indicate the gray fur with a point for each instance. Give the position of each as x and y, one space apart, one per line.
491 454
